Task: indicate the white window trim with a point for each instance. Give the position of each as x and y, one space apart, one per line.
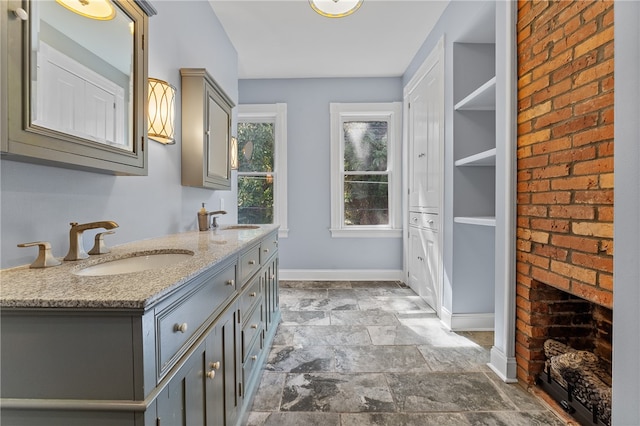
277 114
391 112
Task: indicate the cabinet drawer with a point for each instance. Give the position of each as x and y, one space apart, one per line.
253 326
251 362
269 247
251 295
424 220
249 264
176 324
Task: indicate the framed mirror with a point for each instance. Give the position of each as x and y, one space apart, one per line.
76 84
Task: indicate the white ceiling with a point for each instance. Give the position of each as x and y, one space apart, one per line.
287 39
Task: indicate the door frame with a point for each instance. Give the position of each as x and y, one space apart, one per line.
435 59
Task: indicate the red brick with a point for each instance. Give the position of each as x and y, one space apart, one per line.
592 293
533 162
597 8
550 278
551 145
593 261
552 197
552 91
581 182
601 165
598 40
571 271
575 124
553 117
551 252
569 98
604 196
572 212
538 211
605 214
597 134
593 229
569 156
551 171
552 225
587 245
594 104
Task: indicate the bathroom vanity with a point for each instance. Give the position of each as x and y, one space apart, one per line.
176 344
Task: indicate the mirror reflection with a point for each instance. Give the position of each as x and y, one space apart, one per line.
82 72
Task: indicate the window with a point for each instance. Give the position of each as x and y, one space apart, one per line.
365 170
262 165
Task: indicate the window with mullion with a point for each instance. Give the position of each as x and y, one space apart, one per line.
256 175
262 164
365 149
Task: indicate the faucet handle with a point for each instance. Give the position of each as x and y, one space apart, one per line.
99 247
45 259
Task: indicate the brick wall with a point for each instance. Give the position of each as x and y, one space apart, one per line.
565 159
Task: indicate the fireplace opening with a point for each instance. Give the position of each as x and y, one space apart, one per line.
573 349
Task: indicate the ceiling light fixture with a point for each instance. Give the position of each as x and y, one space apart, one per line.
102 10
335 8
161 111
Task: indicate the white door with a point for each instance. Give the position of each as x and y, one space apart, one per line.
424 142
424 97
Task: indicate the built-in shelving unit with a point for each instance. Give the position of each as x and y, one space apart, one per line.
474 185
477 220
481 99
485 158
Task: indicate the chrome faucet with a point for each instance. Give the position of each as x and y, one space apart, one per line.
76 248
214 222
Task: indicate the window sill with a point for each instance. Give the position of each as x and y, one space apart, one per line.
366 233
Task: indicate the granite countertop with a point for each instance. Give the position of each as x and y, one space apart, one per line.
59 287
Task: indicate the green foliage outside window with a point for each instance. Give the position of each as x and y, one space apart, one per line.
255 181
366 188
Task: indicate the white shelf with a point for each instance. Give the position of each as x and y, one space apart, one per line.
476 220
481 99
486 158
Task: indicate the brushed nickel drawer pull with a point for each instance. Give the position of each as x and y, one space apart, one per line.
215 365
254 357
211 374
253 294
266 250
254 326
252 262
180 327
231 282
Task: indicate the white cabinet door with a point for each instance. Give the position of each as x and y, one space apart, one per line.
423 264
424 142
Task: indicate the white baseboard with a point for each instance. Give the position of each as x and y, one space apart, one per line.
505 367
340 275
466 322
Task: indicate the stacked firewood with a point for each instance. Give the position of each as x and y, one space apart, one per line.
580 369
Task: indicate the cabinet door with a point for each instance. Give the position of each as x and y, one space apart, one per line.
271 298
182 401
425 141
423 264
416 260
221 371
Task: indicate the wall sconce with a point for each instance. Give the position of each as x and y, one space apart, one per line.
162 97
101 10
234 153
335 8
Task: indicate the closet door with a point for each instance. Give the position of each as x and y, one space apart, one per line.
424 143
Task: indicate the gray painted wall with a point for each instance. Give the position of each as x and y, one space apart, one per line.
38 202
309 244
626 272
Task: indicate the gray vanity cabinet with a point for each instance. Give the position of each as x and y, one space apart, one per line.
222 360
203 391
193 357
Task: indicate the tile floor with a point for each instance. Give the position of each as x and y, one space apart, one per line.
373 353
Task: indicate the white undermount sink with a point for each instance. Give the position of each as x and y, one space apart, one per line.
137 262
224 228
